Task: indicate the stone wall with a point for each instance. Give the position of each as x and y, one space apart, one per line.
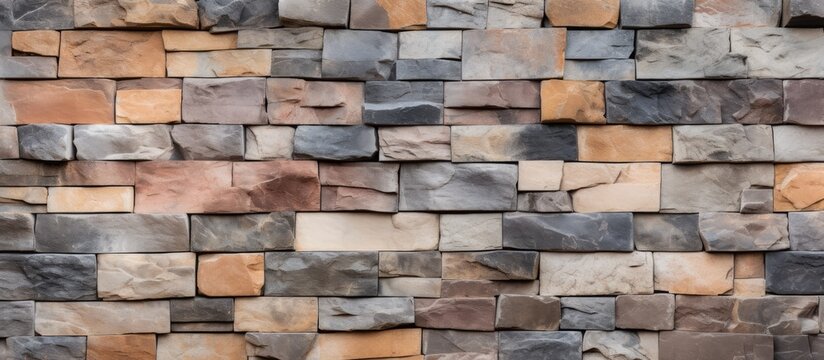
411 179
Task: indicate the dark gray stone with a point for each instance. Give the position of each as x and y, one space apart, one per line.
341 143
555 345
656 13
359 55
111 233
17 230
743 232
549 201
666 232
456 14
296 63
459 343
426 264
202 309
588 313
229 15
795 272
326 13
49 142
41 14
603 70
514 143
280 345
247 232
427 69
685 345
209 142
568 232
803 13
403 103
48 277
722 143
750 101
342 314
599 44
491 265
16 318
645 312
446 187
46 347
321 274
756 201
792 347
488 288
687 54
528 312
806 231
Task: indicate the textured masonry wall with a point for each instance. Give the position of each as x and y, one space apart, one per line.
411 179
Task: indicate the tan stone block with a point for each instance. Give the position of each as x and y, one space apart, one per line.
230 274
366 232
22 196
601 273
75 101
693 273
749 287
369 344
37 42
121 347
388 14
799 187
276 314
624 143
111 54
597 187
749 265
543 175
583 13
101 318
145 276
148 106
573 101
90 199
140 14
402 143
221 63
192 346
410 286
187 40
296 101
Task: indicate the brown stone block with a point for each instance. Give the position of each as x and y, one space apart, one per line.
57 102
73 173
573 101
279 185
276 314
230 274
799 187
221 63
37 42
187 40
456 313
296 101
583 13
121 347
193 346
135 14
623 143
749 265
148 101
388 14
111 54
369 344
683 345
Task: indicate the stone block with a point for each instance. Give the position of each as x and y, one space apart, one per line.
230 274
46 347
101 318
615 344
339 143
334 13
599 44
224 101
775 315
224 16
296 63
621 143
403 103
736 13
44 14
36 42
132 347
410 286
112 233
798 143
9 144
68 101
693 273
48 142
467 187
47 277
321 274
794 272
513 143
148 101
21 200
219 63
112 54
470 232
572 101
395 15
432 44
604 70
806 231
687 54
722 143
414 143
797 187
528 312
549 201
467 116
656 13
17 318
209 142
802 13
505 14
190 346
145 276
780 52
586 13
444 344
309 38
427 69
90 199
666 232
710 187
74 173
269 142
756 201
342 314
413 264
358 55
753 288
21 66
530 345
568 232
487 288
398 344
530 54
540 175
477 314
149 14
123 142
366 232
645 312
201 309
246 232
456 14
492 94
743 232
491 265
295 101
276 314
571 274
281 345
185 40
613 187
588 313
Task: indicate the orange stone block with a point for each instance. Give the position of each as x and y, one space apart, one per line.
583 13
57 102
121 347
369 344
90 199
230 274
148 101
388 14
799 187
624 143
749 265
37 42
112 54
573 101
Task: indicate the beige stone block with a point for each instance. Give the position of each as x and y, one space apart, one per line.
91 199
799 187
276 314
145 276
221 63
193 346
540 175
101 318
148 106
573 101
624 143
694 273
410 286
37 42
369 344
366 232
600 273
413 143
749 287
230 274
186 40
121 347
471 232
597 187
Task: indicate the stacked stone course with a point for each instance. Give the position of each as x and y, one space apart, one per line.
411 179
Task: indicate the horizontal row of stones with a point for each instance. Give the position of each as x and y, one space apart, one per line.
219 16
419 344
304 185
311 52
256 101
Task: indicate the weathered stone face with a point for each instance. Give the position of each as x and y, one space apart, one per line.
735 13
248 232
113 54
369 345
469 232
221 16
656 13
17 318
36 42
444 186
46 14
513 143
797 187
281 345
571 274
145 276
802 13
148 101
153 13
587 13
491 265
599 44
366 232
403 103
693 273
48 277
572 101
776 315
477 314
410 286
621 143
216 101
358 55
309 37
794 272
221 63
740 232
334 13
341 314
179 345
80 101
201 309
719 190
604 70
607 344
805 230
185 40
722 143
524 312
101 318
16 200
43 347
504 14
411 143
613 187
123 142
797 144
382 15
550 201
269 142
568 232
513 54
687 53
230 274
645 312
460 14
348 143
105 233
531 344
487 288
322 274
588 313
666 232
209 142
779 52
276 314
446 343
295 101
418 264
138 347
49 142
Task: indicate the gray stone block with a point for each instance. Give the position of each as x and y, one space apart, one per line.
666 232
209 142
722 143
441 186
17 230
296 63
49 142
342 314
710 187
645 312
743 232
111 233
560 345
224 101
803 13
16 318
517 14
279 345
48 277
229 15
549 201
459 342
568 232
23 67
687 54
530 54
403 103
430 44
123 142
806 231
795 272
428 69
426 264
588 313
309 38
341 143
326 13
528 312
247 232
202 309
456 14
599 44
359 55
784 53
514 142
46 347
656 13
604 70
40 14
321 274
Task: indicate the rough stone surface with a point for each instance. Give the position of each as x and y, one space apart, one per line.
123 142
524 54
220 63
49 142
281 345
528 312
45 14
269 142
794 272
571 274
209 142
101 318
223 101
550 201
563 345
797 187
487 288
682 345
341 314
334 13
230 274
335 143
693 273
434 44
599 44
322 274
9 143
645 312
201 309
756 201
620 143
247 232
114 54
806 231
613 187
309 37
36 42
222 15
16 200
411 143
588 313
604 70
779 52
477 314
132 347
295 101
186 40
776 315
586 13
743 232
506 14
366 232
802 13
46 347
382 15
145 276
403 103
191 346
799 108
153 13
400 344
656 13
48 277
568 232
69 101
418 264
666 232
491 265
17 318
470 232
445 186
540 175
358 55
513 143
710 187
148 101
105 233
798 143
447 343
620 343
276 314
722 143
410 286
572 101
687 53
456 14
296 63
736 13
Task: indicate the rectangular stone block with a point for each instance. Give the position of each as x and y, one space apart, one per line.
586 13
220 63
456 14
224 101
398 343
208 142
722 143
187 40
295 101
20 66
445 186
432 44
47 277
138 346
467 116
743 232
603 70
530 54
456 343
806 231
10 144
774 315
247 232
410 286
336 143
547 201
281 345
491 265
123 142
504 14
476 314
605 343
148 101
17 318
310 38
181 345
359 55
366 232
201 309
693 273
70 101
525 312
403 103
276 314
230 274
36 42
798 143
532 344
797 187
571 274
145 276
342 314
687 54
622 143
799 104
39 347
541 175
794 272
648 312
265 142
710 187
666 232
736 13
111 233
780 52
73 173
22 200
470 232
395 15
427 69
681 345
599 44
414 143
656 13
613 187
568 232
17 229
414 264
572 101
101 318
513 143
492 94
153 13
111 54
321 274
588 313
296 63
90 200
